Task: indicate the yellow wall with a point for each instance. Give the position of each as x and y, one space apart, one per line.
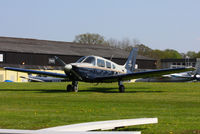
15 76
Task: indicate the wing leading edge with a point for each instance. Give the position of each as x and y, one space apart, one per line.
145 74
37 72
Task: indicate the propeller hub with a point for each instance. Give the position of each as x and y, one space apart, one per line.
68 67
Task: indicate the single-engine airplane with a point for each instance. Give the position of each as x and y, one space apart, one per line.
31 78
95 69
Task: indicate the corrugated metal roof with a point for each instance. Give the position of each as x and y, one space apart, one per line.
60 48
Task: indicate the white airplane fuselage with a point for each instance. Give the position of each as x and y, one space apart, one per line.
89 67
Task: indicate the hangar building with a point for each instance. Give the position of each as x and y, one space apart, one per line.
38 54
175 63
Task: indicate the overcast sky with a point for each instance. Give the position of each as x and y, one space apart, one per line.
159 24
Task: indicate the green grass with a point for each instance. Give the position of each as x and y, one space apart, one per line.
42 105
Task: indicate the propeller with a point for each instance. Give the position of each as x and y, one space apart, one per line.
60 61
68 68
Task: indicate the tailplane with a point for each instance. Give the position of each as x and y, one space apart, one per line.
130 63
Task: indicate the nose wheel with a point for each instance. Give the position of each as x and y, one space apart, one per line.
72 87
121 87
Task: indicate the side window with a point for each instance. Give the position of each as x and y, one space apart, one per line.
108 64
100 63
113 66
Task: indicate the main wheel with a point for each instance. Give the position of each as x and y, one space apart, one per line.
121 89
75 88
69 88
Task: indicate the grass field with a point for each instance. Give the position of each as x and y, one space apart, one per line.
41 105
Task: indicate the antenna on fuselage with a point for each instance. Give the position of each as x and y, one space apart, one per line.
111 57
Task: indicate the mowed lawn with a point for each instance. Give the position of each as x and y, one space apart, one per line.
42 105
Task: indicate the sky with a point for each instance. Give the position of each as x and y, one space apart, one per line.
159 24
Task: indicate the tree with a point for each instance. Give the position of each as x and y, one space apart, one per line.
171 54
90 39
113 43
157 54
191 54
125 43
144 50
198 55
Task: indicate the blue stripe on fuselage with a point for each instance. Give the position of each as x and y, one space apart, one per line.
90 73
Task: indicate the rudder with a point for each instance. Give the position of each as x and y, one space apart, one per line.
130 63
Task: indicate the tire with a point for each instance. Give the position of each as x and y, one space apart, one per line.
75 88
121 89
69 88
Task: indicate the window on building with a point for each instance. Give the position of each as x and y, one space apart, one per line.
1 57
52 61
108 64
100 63
193 64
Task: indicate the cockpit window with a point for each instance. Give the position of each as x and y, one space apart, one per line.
108 64
100 63
90 60
80 60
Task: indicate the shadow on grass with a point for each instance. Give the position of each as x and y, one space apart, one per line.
115 90
89 89
35 90
130 129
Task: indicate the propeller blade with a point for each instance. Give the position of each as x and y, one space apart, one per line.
60 61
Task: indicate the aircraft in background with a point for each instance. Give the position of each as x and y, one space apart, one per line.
170 78
95 69
38 78
177 77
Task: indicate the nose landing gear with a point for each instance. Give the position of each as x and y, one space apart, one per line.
73 87
121 87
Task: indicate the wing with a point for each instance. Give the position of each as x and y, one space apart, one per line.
145 74
37 72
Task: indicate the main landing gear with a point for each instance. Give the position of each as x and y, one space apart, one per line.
73 87
121 87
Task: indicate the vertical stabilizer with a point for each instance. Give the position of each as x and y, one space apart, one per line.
197 71
130 63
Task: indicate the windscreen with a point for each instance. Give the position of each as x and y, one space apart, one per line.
90 60
81 59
